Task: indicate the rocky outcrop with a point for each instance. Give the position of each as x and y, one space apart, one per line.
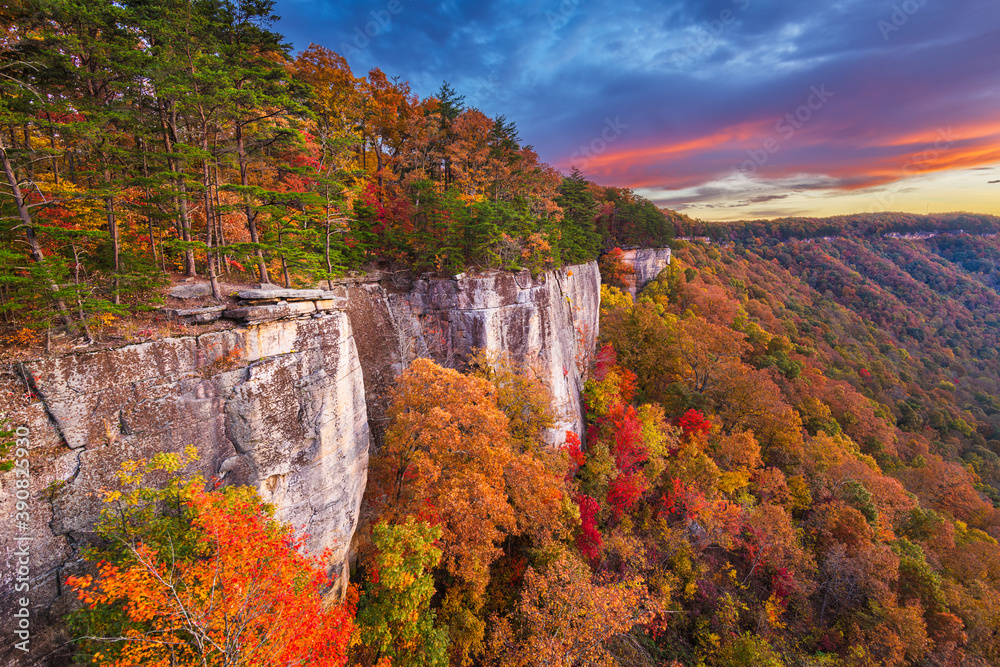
647 263
289 405
547 323
280 406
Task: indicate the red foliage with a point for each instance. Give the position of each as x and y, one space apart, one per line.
628 384
669 500
589 541
783 583
629 449
615 270
369 197
693 422
624 490
682 501
604 362
254 589
576 456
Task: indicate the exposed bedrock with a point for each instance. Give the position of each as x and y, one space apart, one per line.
647 262
548 323
279 405
291 406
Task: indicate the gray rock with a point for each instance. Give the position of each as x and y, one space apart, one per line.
647 262
185 312
288 294
193 291
280 406
268 313
548 323
204 318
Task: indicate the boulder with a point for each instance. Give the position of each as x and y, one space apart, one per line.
190 291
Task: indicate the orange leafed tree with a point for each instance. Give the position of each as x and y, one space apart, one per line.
565 618
231 587
444 458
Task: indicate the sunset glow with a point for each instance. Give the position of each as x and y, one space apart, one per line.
721 109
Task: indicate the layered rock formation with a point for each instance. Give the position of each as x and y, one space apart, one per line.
280 406
647 262
291 406
548 324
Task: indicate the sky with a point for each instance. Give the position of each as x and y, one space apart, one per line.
721 109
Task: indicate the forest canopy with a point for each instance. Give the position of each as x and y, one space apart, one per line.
142 140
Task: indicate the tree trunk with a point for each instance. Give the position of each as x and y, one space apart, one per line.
329 265
109 210
29 230
168 123
209 224
250 213
149 196
220 232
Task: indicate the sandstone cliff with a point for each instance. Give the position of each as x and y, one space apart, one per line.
279 405
647 262
548 323
291 406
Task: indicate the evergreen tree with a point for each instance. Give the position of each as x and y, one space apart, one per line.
451 107
580 240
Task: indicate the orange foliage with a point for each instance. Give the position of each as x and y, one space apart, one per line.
564 618
444 461
249 597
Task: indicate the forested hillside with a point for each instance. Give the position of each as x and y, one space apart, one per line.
793 444
830 495
858 225
141 140
791 459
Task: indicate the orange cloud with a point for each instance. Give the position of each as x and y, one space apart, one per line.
816 150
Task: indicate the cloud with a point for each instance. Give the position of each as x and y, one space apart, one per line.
702 85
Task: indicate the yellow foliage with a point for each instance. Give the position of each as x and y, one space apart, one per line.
774 609
731 482
966 535
612 297
85 213
798 490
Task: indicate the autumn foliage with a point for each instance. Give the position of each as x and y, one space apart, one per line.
249 163
750 456
742 495
226 585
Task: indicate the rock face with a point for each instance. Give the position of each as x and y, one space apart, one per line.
280 406
647 262
548 323
190 291
291 406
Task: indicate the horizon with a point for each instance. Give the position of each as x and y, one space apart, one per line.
722 110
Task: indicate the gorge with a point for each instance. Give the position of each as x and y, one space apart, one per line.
292 406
